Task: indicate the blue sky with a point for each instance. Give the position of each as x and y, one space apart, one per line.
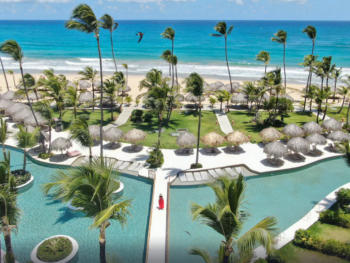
182 9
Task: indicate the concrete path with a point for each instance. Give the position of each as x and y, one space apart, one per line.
224 122
122 118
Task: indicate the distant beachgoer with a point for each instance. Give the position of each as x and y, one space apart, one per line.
343 120
216 123
233 122
161 202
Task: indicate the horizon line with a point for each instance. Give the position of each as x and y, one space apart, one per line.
295 20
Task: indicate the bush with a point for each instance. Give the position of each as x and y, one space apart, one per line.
343 197
337 218
196 166
45 155
156 158
148 116
136 115
277 258
260 260
54 249
85 116
21 177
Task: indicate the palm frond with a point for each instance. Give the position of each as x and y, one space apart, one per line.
204 254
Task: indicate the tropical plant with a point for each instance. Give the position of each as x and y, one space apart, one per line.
89 74
153 78
344 92
311 94
13 76
227 217
127 73
3 135
263 56
309 61
31 84
109 24
55 91
137 101
195 85
45 110
336 75
250 90
220 99
166 55
281 38
91 186
227 97
221 28
110 89
84 20
169 33
26 140
156 158
274 79
321 95
212 101
3 70
79 130
175 64
128 99
72 99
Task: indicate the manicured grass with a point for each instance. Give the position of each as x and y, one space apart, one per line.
334 113
183 120
243 122
95 117
330 231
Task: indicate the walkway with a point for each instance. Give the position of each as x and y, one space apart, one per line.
122 118
224 122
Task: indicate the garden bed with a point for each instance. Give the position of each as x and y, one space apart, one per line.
21 177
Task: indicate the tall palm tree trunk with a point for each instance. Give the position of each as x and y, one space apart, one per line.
112 109
14 81
342 105
347 116
308 83
8 244
93 97
318 112
3 70
50 127
160 118
103 252
228 68
24 160
169 69
284 65
335 88
310 105
325 110
177 80
115 64
101 100
199 129
265 68
90 153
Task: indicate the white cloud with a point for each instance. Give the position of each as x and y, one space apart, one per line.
238 2
255 1
301 2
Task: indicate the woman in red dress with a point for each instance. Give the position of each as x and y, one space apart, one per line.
161 202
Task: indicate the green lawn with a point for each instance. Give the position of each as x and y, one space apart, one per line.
183 120
242 122
95 117
334 113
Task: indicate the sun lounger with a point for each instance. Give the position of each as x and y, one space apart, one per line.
216 150
142 166
239 170
213 173
197 176
182 177
73 154
229 171
118 163
133 166
272 161
124 165
205 176
190 177
219 172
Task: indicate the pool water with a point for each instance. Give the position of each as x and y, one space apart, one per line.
288 195
44 217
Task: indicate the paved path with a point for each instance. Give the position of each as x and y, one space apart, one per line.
224 122
122 118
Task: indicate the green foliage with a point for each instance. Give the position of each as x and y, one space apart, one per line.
45 155
277 258
196 165
338 218
260 260
9 258
156 158
137 115
27 139
21 177
54 249
343 197
85 116
148 116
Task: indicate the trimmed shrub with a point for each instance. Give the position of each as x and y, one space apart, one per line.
277 258
337 218
156 158
85 116
45 155
54 249
148 116
21 177
136 115
196 166
343 197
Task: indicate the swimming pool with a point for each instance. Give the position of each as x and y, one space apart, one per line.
288 195
44 217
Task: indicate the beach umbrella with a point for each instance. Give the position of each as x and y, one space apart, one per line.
236 138
176 83
213 139
71 83
9 95
84 84
205 84
19 86
134 136
97 84
186 140
207 89
127 89
31 121
180 97
218 84
312 127
226 87
86 97
293 130
236 85
275 149
270 134
5 104
316 139
94 131
332 125
21 115
298 145
239 98
15 107
192 98
288 97
61 144
113 134
339 136
213 87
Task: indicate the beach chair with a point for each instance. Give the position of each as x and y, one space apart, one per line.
216 150
190 177
230 171
124 165
205 176
213 173
197 176
71 154
219 172
118 163
239 170
133 166
182 177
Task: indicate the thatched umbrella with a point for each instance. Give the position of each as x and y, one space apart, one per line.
180 97
186 140
332 125
61 144
288 97
5 104
270 134
226 87
71 83
312 127
135 135
219 84
97 84
339 136
113 134
84 84
298 145
275 149
16 107
293 130
266 96
94 131
239 98
21 115
86 97
9 95
213 139
192 98
236 138
213 87
31 121
19 86
316 139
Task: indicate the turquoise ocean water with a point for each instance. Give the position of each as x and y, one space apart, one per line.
49 44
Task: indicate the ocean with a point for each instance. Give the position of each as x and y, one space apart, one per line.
47 44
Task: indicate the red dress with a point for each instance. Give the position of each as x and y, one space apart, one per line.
161 203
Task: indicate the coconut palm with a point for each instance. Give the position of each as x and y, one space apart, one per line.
212 101
321 95
220 98
3 70
281 38
336 75
91 186
3 135
311 94
195 85
175 64
89 74
108 23
227 217
55 91
10 214
72 99
344 92
169 33
127 73
45 110
250 90
345 148
166 55
84 20
227 97
13 76
110 89
14 50
221 28
26 140
274 79
32 86
309 61
153 78
263 56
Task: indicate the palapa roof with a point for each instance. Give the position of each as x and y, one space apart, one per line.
15 107
276 149
186 139
5 103
84 84
332 125
239 98
135 136
219 84
71 83
293 130
236 85
213 139
9 95
127 89
237 138
86 97
270 134
61 144
317 139
213 87
31 121
339 136
97 83
94 131
227 87
113 134
21 114
298 145
180 97
312 127
191 98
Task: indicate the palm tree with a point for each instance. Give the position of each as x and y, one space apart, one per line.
335 75
321 95
80 133
45 110
309 61
166 55
9 71
169 33
32 85
227 217
274 79
212 101
10 214
175 64
55 91
3 70
264 56
108 23
226 96
14 50
344 92
195 85
89 74
72 99
220 99
127 73
153 78
3 135
249 89
84 20
281 37
311 94
91 186
221 28
26 140
110 88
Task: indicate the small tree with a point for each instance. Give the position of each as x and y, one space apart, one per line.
156 158
26 140
3 135
212 101
128 99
